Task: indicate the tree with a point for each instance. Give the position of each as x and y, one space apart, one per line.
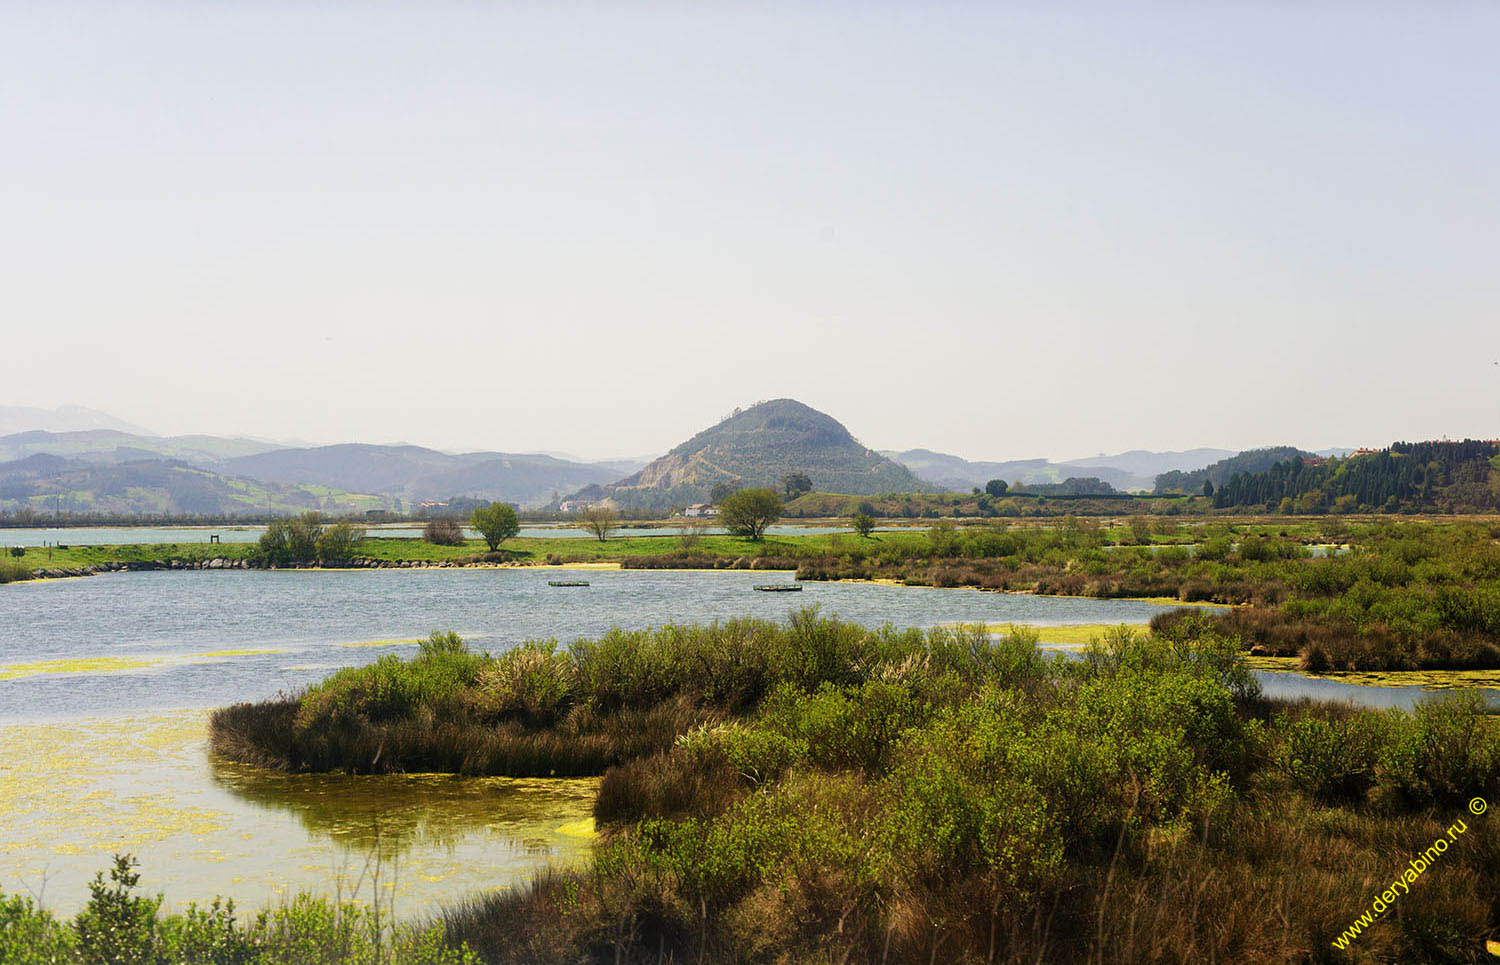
290 540
943 538
863 523
723 491
690 533
749 511
443 531
1208 488
496 522
599 520
996 487
337 542
795 484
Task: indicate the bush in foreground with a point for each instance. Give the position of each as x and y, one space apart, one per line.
120 926
785 792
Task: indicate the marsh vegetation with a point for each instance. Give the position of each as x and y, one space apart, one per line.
810 788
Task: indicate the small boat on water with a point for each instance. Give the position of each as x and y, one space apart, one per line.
567 582
780 588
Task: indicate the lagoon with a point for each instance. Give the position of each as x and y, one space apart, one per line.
106 682
173 640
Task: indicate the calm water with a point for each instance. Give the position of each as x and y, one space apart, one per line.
206 638
1294 685
105 683
73 793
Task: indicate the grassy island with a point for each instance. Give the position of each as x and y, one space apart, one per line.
791 792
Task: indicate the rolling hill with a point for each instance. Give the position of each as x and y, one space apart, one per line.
415 473
113 445
48 483
757 447
1134 470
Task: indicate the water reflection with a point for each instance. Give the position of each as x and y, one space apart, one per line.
74 792
411 811
1291 685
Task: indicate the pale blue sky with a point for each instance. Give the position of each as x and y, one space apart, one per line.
999 230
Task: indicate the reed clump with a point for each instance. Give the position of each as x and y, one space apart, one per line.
539 710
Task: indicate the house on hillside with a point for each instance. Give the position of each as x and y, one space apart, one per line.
700 511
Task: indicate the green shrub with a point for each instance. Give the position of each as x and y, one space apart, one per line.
1336 759
843 730
1215 548
30 935
1447 752
290 540
758 754
530 683
119 927
337 542
944 818
392 688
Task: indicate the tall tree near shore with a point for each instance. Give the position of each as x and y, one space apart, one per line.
599 520
749 511
496 522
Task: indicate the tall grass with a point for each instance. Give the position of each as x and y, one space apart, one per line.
13 571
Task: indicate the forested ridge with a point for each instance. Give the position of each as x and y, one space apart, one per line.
1407 477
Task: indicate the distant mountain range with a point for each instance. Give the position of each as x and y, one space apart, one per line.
758 446
1133 470
103 464
416 474
67 418
86 464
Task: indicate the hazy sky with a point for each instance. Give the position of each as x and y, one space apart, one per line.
994 229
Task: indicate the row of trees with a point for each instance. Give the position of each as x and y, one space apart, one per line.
290 540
